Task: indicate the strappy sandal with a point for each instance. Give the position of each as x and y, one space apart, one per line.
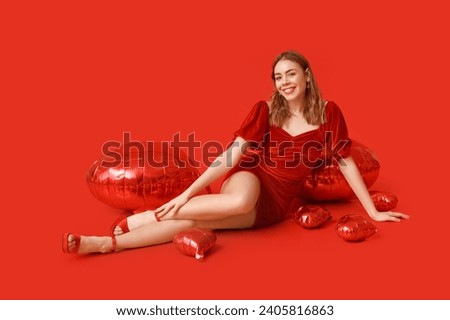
65 243
122 223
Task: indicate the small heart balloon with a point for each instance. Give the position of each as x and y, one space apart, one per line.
354 228
195 242
311 216
384 201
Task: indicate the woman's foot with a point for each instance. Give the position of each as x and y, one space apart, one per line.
134 221
73 243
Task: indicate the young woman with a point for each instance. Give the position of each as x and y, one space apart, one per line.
277 146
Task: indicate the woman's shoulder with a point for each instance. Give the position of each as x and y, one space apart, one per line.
262 105
333 113
330 106
329 103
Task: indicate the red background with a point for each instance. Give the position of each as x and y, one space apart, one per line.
75 75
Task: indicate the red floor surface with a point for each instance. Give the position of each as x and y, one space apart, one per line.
80 74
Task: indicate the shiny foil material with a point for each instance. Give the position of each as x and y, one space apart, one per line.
311 216
195 242
354 228
384 201
141 180
327 183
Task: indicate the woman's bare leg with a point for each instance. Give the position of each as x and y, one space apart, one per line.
158 233
164 231
233 208
238 196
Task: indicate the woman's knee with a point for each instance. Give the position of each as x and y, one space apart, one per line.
243 203
243 188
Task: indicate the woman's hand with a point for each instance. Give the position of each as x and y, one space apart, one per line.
388 216
353 176
170 209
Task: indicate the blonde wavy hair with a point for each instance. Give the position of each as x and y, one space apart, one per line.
314 111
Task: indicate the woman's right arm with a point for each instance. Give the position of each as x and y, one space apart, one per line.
221 165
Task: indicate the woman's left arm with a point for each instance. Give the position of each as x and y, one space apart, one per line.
356 182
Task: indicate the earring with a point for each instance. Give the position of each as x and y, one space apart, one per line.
308 85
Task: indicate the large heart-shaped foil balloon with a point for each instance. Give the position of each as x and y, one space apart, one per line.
195 242
311 216
384 201
141 178
327 182
354 228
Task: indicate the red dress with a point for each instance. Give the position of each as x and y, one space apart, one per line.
282 161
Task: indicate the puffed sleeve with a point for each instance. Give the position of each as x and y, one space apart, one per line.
256 124
337 142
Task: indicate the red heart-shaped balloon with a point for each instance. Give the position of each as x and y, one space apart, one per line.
354 228
328 183
141 178
384 201
311 216
195 242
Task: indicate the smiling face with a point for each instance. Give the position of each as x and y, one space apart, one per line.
290 80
